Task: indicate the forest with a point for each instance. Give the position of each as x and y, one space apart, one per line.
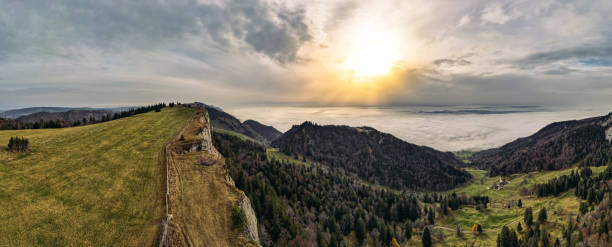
305 205
557 146
375 157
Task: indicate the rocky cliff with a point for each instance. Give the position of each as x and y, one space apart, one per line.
202 194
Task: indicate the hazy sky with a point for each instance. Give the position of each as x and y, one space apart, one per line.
78 52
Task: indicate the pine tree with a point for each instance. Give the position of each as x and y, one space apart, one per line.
528 217
520 203
11 143
507 238
408 231
542 215
426 239
431 216
360 230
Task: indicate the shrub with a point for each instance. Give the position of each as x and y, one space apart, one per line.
239 220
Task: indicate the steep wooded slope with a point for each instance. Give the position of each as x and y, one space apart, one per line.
374 156
268 132
558 145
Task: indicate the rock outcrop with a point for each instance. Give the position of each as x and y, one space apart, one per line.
251 229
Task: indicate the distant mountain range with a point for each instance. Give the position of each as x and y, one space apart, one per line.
251 128
556 146
67 116
374 156
16 113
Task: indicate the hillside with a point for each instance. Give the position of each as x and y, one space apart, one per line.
268 132
251 128
373 156
67 116
556 146
95 185
15 113
503 209
310 204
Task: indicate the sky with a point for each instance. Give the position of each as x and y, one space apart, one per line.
258 52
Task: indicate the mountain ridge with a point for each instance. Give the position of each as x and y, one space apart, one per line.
251 128
556 146
374 156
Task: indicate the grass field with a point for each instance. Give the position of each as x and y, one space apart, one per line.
236 134
497 214
201 198
278 155
96 185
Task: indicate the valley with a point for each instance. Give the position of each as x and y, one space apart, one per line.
311 186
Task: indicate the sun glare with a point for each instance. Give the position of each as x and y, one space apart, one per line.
372 54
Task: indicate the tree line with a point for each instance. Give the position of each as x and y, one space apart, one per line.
562 184
12 124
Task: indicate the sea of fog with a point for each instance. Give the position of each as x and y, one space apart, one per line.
446 128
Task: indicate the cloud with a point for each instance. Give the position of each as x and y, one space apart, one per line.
287 51
497 14
451 62
51 28
567 54
463 21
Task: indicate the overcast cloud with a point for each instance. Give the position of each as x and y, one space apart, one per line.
76 52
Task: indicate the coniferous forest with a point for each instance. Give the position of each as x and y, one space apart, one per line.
296 204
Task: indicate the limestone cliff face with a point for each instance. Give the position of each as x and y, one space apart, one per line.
251 231
201 192
206 136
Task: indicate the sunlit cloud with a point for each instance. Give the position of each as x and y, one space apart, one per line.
319 52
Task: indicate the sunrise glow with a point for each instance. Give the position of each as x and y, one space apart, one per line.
373 53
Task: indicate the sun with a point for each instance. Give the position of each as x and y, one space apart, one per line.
372 54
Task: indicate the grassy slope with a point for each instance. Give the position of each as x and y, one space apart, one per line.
93 185
496 216
236 134
203 198
278 155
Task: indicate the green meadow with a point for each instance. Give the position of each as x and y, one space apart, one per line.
498 214
95 185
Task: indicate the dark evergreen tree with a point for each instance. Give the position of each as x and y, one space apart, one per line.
528 219
507 238
408 231
542 216
431 216
426 239
360 230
